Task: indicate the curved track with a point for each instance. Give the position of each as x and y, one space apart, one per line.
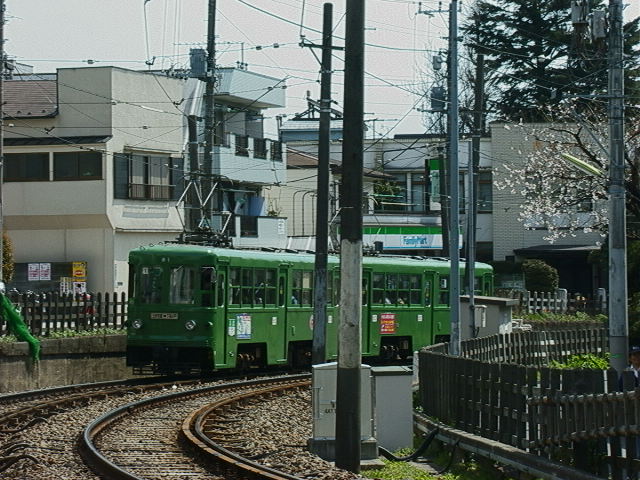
143 439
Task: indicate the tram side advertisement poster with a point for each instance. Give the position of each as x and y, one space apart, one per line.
387 323
243 326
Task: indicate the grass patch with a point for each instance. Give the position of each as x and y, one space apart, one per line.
98 332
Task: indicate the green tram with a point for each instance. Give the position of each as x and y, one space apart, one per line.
200 309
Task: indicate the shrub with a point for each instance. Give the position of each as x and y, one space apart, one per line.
7 258
540 276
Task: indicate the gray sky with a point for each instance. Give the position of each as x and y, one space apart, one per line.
65 33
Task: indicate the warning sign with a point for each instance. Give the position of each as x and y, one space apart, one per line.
79 269
387 323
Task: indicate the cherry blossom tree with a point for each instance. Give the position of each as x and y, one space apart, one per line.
567 196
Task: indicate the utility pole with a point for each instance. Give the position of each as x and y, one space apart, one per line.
318 350
348 432
618 325
2 8
454 175
194 173
209 128
472 211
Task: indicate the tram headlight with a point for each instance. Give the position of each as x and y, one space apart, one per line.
137 323
190 324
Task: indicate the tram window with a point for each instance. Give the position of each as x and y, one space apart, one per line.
220 290
377 292
365 291
207 281
260 277
150 285
270 287
234 286
443 298
247 286
307 287
302 287
403 291
182 285
392 281
427 292
336 289
414 285
281 291
391 292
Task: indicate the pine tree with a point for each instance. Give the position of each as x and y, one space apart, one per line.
534 55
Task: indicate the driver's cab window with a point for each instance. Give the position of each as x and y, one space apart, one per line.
182 282
150 285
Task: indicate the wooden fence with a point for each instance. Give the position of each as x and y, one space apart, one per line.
45 313
499 389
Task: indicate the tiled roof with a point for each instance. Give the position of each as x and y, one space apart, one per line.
30 99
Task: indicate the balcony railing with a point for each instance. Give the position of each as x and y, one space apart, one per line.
144 191
259 148
242 145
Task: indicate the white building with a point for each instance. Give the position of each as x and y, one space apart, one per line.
94 167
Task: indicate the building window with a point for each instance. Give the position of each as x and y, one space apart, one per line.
148 177
77 166
26 167
418 192
485 196
391 195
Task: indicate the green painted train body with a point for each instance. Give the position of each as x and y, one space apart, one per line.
195 308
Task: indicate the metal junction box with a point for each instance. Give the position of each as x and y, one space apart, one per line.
323 401
393 406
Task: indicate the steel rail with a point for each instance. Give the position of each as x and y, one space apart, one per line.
108 469
193 432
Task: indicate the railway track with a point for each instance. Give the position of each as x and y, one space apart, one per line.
148 439
39 429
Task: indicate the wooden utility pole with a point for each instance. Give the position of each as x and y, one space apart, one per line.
318 354
348 429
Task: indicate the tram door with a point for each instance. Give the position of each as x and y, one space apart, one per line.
428 293
219 319
368 346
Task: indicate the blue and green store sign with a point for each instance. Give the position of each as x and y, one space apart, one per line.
404 237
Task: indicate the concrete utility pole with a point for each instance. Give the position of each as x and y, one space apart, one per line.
2 8
454 177
472 211
348 448
318 350
209 128
618 325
